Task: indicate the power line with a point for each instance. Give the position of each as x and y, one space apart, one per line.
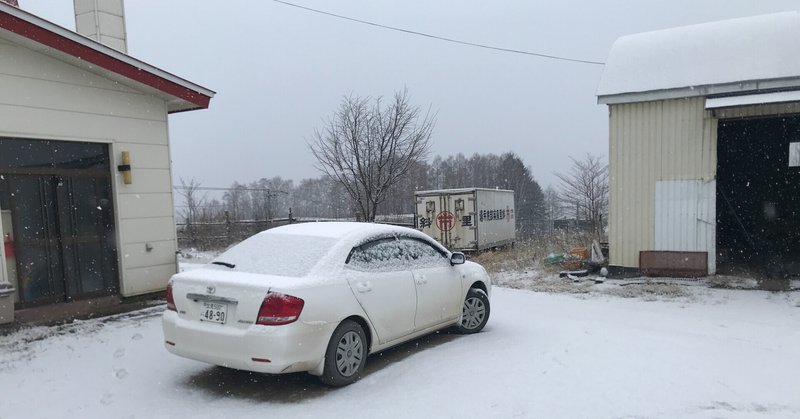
441 38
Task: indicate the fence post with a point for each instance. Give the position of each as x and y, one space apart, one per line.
190 231
290 215
228 225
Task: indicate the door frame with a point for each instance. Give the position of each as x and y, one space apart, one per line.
116 260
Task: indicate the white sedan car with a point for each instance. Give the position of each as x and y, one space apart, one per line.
320 297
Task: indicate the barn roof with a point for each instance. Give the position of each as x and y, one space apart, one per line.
752 54
48 38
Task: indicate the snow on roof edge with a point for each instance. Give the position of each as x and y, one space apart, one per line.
754 49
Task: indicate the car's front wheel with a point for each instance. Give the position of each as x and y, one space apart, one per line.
475 312
346 355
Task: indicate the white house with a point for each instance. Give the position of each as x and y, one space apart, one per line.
85 179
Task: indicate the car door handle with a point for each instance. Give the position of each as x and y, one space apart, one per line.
364 286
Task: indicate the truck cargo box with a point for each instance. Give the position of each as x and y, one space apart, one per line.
469 219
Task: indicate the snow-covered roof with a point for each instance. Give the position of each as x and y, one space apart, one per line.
458 191
48 38
739 55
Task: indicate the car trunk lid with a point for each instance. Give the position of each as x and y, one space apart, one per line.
214 296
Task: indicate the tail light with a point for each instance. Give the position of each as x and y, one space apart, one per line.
278 309
170 298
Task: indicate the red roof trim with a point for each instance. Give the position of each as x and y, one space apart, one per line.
45 37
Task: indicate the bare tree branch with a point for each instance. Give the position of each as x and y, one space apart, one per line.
368 149
585 188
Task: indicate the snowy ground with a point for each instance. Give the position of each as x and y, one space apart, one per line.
703 353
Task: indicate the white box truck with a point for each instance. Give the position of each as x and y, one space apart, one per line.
470 219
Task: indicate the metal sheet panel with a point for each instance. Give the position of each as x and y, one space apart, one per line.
495 218
650 142
686 217
673 263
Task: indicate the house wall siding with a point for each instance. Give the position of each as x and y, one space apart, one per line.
44 98
665 140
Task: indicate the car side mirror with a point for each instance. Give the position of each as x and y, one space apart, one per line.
457 258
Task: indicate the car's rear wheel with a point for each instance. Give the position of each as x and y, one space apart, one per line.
475 312
346 355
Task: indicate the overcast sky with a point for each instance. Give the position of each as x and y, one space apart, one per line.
280 71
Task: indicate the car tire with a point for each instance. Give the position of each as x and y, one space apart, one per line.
474 312
346 355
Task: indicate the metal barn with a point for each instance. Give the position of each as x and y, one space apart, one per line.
704 148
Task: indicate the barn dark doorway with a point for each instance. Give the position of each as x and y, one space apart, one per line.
58 220
758 196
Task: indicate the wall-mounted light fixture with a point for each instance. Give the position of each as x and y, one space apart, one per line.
125 168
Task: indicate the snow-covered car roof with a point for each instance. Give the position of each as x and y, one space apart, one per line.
336 230
306 249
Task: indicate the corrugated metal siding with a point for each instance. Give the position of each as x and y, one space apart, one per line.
651 142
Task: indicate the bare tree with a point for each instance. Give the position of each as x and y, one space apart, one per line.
553 205
585 188
238 201
193 204
368 148
193 201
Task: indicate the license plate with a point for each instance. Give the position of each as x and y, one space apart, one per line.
214 312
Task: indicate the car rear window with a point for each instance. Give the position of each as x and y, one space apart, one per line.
277 254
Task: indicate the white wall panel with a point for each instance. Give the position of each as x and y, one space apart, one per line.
161 253
145 181
149 205
79 126
686 217
22 62
142 230
147 279
146 156
26 91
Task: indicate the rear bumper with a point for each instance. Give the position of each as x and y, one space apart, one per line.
293 347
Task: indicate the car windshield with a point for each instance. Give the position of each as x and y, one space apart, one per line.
277 254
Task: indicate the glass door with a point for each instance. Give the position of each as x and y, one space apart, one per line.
63 243
36 246
85 222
